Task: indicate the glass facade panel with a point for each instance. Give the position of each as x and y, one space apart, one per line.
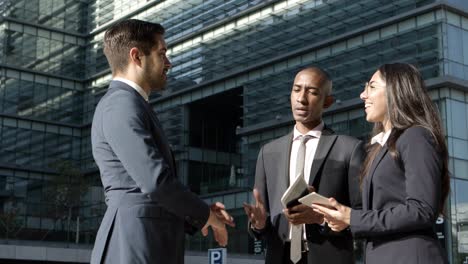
227 95
24 147
67 15
53 55
457 40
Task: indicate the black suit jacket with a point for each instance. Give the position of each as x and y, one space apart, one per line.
334 173
401 202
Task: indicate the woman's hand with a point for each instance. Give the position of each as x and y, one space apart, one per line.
337 218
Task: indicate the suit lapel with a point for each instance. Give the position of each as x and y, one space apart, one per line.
370 174
326 141
285 158
282 180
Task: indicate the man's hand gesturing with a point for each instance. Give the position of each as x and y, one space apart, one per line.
218 220
256 213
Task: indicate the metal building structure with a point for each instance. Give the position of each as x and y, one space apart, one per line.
228 93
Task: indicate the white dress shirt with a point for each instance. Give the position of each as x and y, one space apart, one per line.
134 86
381 138
311 147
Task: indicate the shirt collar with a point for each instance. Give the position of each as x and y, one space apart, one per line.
134 86
315 132
381 138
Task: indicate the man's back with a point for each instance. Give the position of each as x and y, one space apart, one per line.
118 124
148 208
144 222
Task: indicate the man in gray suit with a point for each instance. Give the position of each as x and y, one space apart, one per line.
149 210
331 167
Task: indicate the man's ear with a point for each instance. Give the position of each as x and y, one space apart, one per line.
135 56
329 100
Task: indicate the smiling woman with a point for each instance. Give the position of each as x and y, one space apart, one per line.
405 177
375 103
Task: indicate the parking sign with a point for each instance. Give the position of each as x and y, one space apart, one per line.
217 256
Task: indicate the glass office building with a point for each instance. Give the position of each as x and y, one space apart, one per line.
228 93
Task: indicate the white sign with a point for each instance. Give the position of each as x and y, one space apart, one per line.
217 255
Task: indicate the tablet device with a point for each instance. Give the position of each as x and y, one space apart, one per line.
298 189
314 197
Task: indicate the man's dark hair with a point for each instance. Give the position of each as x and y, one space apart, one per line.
126 34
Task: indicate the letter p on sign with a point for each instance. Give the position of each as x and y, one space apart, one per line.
217 256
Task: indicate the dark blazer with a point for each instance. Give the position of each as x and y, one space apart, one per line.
334 173
148 208
401 203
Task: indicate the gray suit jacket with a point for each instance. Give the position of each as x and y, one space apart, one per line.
334 173
148 208
401 203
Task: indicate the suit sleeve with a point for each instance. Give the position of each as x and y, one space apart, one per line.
125 131
356 156
354 170
422 167
260 184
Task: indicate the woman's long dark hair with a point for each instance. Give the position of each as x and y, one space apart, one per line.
408 104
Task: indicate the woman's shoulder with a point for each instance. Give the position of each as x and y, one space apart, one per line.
415 135
416 131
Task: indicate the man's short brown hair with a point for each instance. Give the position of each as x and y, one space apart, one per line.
126 34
